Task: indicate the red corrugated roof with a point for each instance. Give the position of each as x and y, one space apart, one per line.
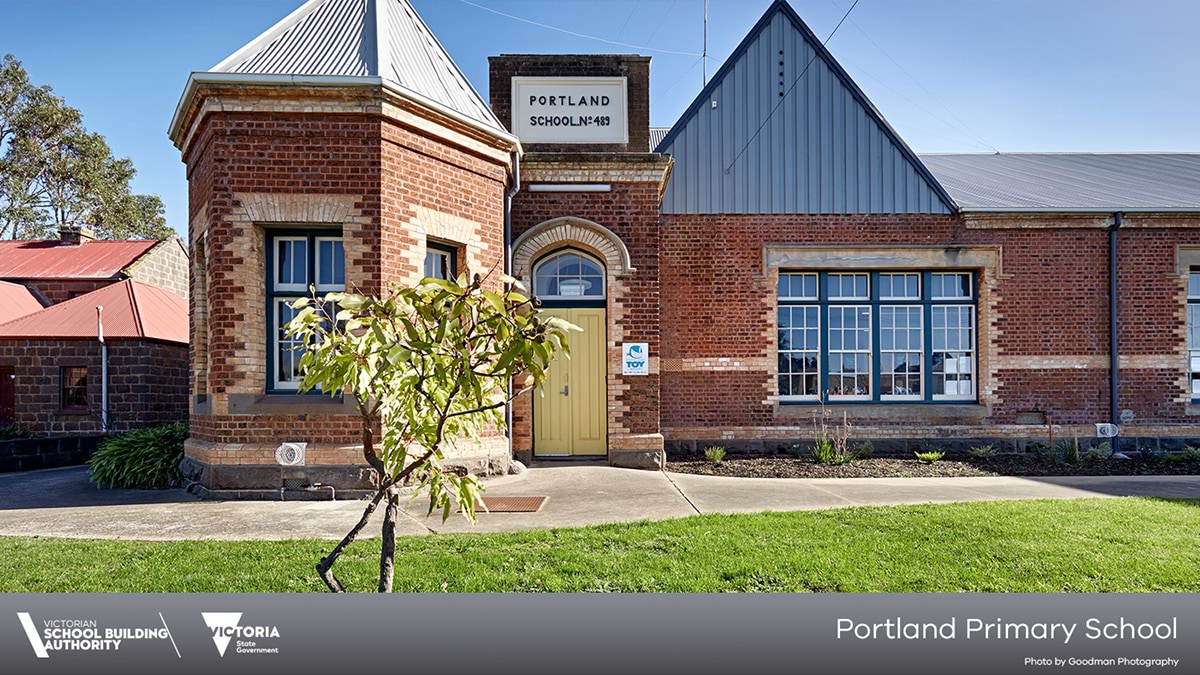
132 310
55 260
16 301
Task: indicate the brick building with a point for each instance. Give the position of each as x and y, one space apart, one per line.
52 365
777 252
50 354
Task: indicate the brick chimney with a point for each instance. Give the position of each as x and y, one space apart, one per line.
74 235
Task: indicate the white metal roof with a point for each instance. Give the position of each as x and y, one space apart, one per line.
370 39
1070 181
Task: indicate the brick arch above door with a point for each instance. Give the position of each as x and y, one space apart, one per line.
570 231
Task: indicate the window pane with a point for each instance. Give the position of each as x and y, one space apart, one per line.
1193 332
73 391
1194 285
300 262
569 275
849 287
798 351
288 350
331 264
953 373
798 286
950 286
849 351
901 360
899 286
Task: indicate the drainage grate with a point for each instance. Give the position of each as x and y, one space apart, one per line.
511 504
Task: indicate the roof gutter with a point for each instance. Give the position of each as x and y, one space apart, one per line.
195 80
1078 209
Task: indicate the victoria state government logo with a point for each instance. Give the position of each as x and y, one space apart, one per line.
227 627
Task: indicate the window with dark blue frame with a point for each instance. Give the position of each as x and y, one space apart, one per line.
895 336
1193 333
441 261
296 260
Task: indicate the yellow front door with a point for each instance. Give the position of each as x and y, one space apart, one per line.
569 409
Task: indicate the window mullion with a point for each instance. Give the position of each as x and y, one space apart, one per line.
823 337
876 359
927 337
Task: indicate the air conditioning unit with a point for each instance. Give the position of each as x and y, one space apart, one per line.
290 454
1106 430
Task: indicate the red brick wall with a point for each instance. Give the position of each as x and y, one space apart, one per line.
58 290
385 168
1046 326
630 211
147 383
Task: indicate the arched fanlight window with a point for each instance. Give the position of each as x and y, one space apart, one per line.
568 274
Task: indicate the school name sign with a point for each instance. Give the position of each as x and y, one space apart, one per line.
570 110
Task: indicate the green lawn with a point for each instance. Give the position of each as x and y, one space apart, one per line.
1110 545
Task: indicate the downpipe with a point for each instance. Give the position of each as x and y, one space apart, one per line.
1114 366
508 198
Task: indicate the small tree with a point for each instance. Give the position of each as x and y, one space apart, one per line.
426 365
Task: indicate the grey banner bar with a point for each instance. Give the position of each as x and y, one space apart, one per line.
311 633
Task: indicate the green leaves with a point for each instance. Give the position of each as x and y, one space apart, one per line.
429 365
53 171
143 459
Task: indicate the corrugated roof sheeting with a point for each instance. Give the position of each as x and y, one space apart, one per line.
419 62
825 150
362 38
132 310
327 40
657 134
16 301
52 259
1046 181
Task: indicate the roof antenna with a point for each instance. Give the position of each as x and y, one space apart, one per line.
704 51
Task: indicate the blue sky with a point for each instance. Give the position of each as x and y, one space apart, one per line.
950 75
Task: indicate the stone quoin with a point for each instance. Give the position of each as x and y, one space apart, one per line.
778 252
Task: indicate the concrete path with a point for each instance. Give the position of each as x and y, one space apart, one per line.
62 503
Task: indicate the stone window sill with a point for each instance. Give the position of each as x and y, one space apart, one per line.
917 411
290 404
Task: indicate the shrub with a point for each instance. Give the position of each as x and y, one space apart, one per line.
864 450
145 458
1066 451
930 456
832 446
983 451
823 450
1192 453
13 431
1097 453
1173 457
713 454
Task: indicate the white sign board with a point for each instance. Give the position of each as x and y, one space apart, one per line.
635 358
570 109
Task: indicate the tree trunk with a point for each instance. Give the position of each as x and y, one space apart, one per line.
325 566
387 552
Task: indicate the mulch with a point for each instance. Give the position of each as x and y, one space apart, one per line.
776 466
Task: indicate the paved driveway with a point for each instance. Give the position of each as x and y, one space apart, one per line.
62 503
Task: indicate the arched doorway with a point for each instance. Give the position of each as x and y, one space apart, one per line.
570 409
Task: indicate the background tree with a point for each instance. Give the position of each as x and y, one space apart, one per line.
54 172
427 366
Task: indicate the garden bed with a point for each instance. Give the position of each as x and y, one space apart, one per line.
783 466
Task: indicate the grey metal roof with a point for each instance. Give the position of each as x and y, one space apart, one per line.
1070 181
782 128
657 134
362 38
